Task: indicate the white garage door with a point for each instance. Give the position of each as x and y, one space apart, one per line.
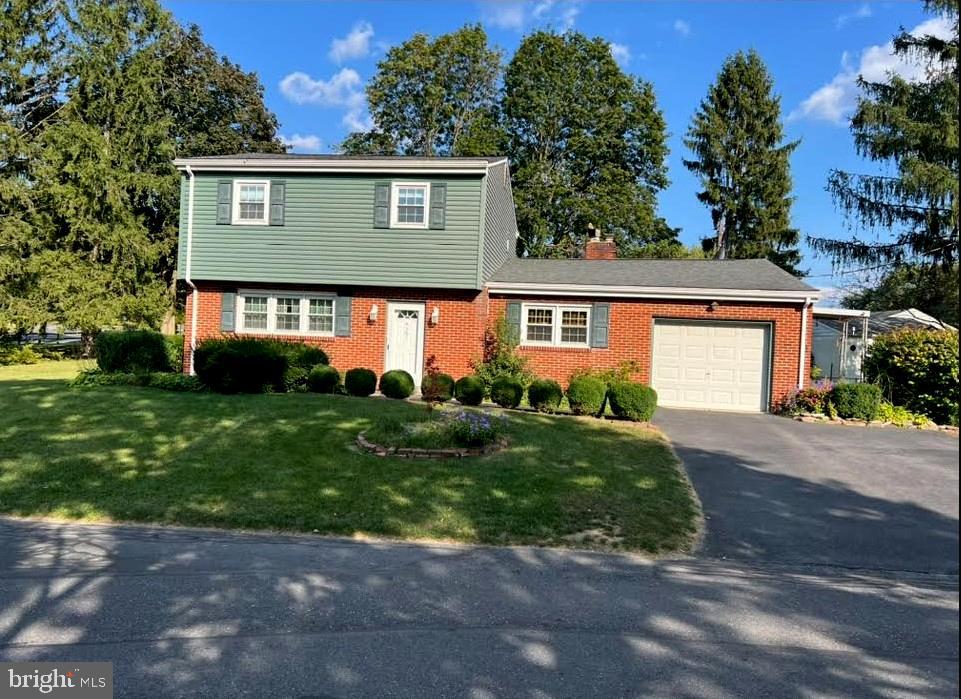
712 366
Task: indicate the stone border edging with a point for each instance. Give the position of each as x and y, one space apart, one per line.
819 418
417 453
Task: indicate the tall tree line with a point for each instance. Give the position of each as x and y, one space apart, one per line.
96 99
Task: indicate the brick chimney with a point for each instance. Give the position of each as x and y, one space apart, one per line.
597 247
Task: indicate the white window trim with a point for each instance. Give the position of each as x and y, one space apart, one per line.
394 223
272 296
556 310
235 204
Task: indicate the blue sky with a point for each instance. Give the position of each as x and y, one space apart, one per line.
315 57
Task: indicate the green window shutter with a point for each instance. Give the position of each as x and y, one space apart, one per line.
225 190
342 316
228 311
514 320
600 324
438 205
382 205
278 200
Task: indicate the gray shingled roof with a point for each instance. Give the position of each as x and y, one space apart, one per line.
338 156
695 274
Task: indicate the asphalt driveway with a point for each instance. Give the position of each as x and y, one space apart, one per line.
779 491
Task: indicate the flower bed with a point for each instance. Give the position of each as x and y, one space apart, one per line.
449 434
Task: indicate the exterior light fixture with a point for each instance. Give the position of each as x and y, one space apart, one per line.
435 316
714 306
372 316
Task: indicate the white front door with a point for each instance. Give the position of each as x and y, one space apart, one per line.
405 338
711 366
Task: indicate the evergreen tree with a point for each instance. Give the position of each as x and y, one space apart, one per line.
740 157
587 143
433 98
911 127
31 74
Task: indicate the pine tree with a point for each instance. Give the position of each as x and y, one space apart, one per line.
587 144
912 127
739 154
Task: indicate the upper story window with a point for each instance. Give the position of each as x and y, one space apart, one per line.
555 325
409 203
250 202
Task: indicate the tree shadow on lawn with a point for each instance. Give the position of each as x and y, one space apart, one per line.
289 462
182 612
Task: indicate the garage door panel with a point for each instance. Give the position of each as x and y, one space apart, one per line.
719 366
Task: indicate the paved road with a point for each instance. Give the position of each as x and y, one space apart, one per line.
196 613
776 490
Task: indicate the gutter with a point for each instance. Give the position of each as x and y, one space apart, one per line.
194 292
808 303
650 292
419 167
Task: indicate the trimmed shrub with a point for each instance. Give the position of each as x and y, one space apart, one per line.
633 401
16 354
132 351
240 365
303 355
166 381
175 382
437 388
586 395
507 391
360 382
469 390
295 379
397 383
857 401
544 395
917 369
323 378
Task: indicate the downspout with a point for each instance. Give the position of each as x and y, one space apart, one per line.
804 336
194 292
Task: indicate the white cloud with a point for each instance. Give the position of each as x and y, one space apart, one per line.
517 15
308 143
621 53
355 45
343 89
836 100
681 27
357 120
863 12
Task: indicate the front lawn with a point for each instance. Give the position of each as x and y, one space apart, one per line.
288 462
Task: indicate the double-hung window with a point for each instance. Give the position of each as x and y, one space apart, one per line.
409 202
250 202
555 325
286 313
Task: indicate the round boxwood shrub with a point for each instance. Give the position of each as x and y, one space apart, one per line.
507 391
633 401
437 387
360 382
323 378
544 395
469 390
857 401
397 383
240 365
132 351
586 395
305 356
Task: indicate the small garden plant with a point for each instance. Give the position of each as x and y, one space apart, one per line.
453 429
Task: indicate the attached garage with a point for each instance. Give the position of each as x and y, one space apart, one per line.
711 366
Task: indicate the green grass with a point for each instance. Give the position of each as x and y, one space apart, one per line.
288 462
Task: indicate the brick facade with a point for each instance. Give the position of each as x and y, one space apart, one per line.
464 315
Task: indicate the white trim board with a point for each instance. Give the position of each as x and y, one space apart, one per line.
652 292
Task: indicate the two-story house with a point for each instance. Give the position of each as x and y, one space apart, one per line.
386 261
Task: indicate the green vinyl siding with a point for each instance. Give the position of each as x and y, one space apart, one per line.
500 224
328 236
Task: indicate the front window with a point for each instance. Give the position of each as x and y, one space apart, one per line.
409 207
250 202
286 313
560 325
